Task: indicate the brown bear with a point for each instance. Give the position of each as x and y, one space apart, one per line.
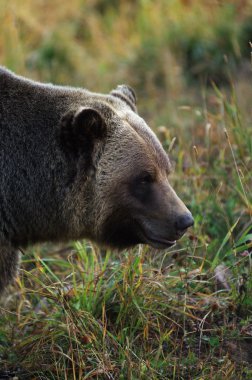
76 164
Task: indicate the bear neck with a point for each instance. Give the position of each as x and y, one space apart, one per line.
35 176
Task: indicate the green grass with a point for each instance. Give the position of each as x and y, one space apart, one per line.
143 316
186 313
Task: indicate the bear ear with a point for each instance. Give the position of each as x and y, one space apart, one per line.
79 130
127 94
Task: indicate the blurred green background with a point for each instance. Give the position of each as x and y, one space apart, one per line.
154 45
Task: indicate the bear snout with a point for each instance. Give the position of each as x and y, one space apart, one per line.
183 222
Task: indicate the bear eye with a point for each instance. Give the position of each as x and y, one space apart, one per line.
146 178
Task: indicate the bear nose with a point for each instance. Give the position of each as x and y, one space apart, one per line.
184 221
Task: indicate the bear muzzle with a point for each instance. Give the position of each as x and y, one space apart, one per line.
162 233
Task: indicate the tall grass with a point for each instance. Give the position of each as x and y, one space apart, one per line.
78 313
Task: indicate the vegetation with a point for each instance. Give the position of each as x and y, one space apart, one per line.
186 313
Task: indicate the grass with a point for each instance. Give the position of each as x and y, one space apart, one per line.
143 316
78 313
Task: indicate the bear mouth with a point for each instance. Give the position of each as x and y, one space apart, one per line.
148 237
160 243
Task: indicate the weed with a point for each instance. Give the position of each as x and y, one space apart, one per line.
80 313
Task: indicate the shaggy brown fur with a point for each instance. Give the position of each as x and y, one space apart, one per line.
76 164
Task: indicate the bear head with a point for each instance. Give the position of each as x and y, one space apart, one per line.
122 173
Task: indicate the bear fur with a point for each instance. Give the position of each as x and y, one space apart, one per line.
76 164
